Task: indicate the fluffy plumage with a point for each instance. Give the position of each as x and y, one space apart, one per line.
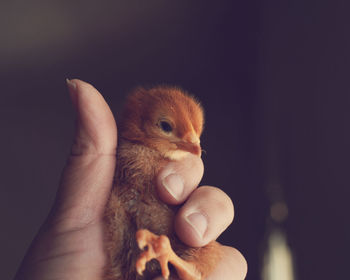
158 125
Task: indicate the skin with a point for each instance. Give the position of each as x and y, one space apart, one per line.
69 244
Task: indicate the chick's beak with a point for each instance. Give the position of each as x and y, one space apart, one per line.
190 147
190 144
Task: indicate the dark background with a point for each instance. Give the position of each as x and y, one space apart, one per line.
273 77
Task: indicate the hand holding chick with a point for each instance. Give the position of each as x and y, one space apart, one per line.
70 242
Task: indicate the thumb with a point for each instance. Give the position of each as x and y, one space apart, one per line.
88 176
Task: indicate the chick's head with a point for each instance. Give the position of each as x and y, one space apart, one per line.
165 119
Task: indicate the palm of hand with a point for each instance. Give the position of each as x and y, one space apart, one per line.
72 253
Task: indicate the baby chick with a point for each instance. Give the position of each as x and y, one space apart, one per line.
158 125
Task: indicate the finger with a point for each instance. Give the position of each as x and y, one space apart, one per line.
179 178
88 176
204 216
232 266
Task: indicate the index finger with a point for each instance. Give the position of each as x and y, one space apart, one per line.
179 178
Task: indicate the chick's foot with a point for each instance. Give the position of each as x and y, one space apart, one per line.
158 247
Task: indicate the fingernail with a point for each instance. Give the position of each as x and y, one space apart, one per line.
174 184
72 91
198 222
71 85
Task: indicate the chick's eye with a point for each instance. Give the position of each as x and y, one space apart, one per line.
165 126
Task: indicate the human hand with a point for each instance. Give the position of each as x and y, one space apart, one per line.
70 243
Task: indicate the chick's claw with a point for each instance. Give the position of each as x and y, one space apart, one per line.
158 247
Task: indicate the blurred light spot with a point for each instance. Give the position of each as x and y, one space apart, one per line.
278 260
